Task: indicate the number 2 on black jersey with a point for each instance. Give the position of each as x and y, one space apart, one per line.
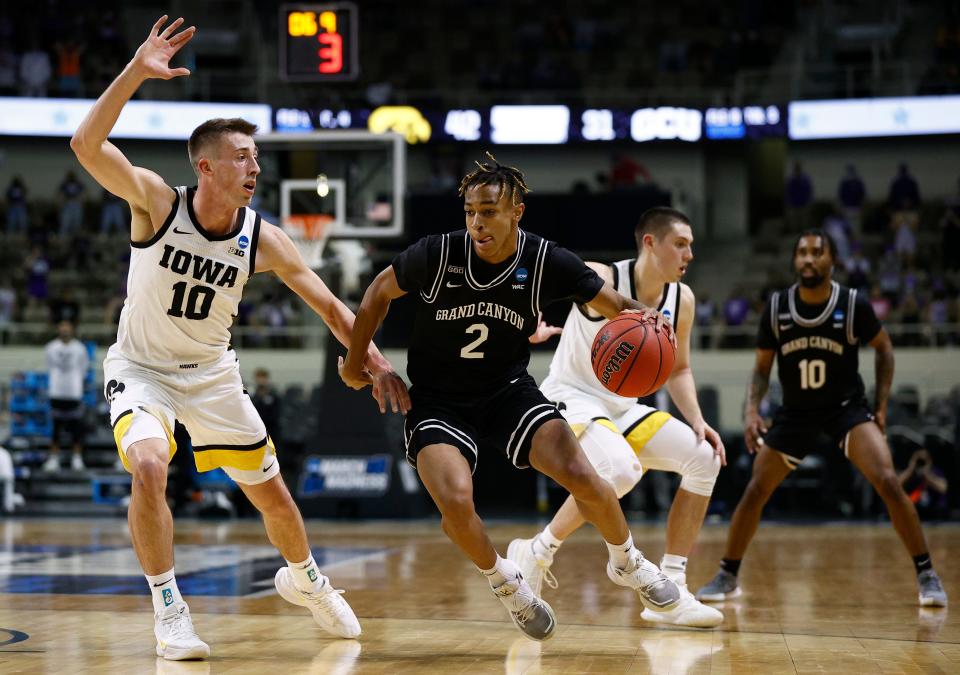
468 351
193 299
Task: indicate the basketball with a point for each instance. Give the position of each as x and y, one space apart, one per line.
631 358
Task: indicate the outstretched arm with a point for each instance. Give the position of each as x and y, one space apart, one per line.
148 196
277 253
373 308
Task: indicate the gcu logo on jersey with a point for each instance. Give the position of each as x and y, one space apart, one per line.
204 269
624 349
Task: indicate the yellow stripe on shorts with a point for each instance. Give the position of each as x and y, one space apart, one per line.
578 429
645 428
122 426
243 457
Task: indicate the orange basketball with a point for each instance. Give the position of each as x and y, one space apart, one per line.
631 358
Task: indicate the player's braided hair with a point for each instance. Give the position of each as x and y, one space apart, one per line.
824 237
488 173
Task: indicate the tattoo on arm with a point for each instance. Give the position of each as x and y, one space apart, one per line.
757 389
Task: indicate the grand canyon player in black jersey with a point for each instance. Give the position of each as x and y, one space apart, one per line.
814 329
479 292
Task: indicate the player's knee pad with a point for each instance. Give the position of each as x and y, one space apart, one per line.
611 456
700 470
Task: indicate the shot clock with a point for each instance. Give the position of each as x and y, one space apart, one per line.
318 43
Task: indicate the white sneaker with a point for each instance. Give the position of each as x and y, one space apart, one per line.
76 463
52 464
535 569
531 615
329 609
176 638
688 612
656 591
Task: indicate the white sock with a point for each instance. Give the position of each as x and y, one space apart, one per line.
503 570
546 543
305 574
673 565
163 588
620 553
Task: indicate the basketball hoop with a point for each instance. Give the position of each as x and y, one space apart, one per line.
309 233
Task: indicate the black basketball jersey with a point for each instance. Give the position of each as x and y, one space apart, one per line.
817 345
473 319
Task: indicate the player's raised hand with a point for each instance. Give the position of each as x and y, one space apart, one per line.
544 331
753 431
390 389
153 57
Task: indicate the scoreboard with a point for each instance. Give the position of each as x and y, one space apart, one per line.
318 43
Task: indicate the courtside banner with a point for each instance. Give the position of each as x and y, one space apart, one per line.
861 118
161 120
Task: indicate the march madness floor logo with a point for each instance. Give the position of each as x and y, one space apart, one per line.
224 570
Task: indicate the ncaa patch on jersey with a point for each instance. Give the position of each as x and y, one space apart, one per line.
243 241
838 315
521 274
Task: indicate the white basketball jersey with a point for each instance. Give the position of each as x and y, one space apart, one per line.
184 288
571 366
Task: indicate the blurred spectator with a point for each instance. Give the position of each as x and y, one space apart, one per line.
37 267
735 312
35 71
113 214
881 304
17 206
925 484
67 363
799 197
950 224
275 315
909 315
938 311
889 275
858 268
71 204
68 68
904 191
8 307
903 225
8 69
624 172
266 399
65 307
851 194
836 225
706 312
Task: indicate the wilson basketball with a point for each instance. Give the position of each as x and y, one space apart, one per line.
631 358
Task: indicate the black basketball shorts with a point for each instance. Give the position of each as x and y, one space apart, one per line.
506 419
797 433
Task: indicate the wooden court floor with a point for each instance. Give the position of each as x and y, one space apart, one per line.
831 598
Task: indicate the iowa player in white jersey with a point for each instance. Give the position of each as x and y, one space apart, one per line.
192 251
623 438
478 293
814 330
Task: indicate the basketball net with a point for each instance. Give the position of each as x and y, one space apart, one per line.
309 233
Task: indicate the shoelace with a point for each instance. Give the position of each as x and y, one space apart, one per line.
328 599
178 625
548 577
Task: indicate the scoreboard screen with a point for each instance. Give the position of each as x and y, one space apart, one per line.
318 43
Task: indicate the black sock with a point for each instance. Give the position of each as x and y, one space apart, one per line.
731 566
922 562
